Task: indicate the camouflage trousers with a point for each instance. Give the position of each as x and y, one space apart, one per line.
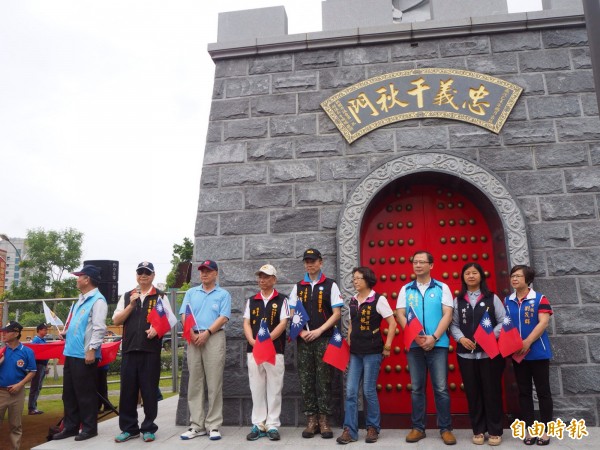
315 376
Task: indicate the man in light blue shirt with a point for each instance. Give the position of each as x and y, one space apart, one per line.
211 307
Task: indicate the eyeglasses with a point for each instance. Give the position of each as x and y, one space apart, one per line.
517 276
420 263
357 278
144 272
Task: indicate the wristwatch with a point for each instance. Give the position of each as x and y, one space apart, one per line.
435 338
387 347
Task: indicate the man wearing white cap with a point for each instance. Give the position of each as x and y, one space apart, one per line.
266 380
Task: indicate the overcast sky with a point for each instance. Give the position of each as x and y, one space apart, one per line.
103 113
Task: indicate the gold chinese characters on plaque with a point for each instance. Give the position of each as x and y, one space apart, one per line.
462 95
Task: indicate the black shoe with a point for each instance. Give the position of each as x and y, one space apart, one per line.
64 434
85 435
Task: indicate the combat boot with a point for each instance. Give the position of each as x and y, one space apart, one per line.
312 426
326 432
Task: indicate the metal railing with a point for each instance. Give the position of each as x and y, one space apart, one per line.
172 295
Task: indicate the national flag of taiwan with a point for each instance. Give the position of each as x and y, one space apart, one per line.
2 350
189 324
510 340
485 337
299 320
69 316
264 350
338 351
413 327
159 319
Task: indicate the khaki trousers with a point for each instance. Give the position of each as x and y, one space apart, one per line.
14 403
206 365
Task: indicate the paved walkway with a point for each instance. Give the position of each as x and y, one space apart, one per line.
234 438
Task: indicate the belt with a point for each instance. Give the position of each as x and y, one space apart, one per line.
198 331
3 388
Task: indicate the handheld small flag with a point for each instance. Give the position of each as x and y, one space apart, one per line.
484 335
413 327
264 350
51 318
188 324
299 320
510 340
337 353
69 316
159 319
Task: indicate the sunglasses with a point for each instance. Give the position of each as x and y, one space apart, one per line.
144 272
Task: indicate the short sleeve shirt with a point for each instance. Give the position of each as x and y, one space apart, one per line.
17 363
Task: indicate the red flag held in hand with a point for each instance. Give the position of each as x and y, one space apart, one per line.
412 329
510 340
264 350
485 337
188 324
337 353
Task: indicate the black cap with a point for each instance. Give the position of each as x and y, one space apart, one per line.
312 253
12 326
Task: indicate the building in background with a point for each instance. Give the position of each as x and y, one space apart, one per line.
13 258
3 256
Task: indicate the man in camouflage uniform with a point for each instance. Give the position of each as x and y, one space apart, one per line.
322 300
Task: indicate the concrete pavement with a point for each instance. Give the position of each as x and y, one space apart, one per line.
234 438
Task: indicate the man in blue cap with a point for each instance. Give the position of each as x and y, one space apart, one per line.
84 335
211 307
17 368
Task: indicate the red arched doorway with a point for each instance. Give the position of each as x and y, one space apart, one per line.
457 224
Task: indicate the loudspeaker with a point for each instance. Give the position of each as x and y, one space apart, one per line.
110 269
110 292
109 286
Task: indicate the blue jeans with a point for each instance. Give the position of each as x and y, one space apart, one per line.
436 363
362 368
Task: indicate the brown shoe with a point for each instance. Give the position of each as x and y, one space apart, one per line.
478 439
448 438
372 435
495 440
326 432
312 426
415 435
345 438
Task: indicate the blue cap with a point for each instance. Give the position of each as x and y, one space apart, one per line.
209 264
91 271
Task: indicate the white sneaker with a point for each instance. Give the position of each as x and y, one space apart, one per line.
214 435
191 433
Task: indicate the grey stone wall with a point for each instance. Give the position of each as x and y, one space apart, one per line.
277 173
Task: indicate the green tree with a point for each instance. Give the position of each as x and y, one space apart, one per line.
181 253
49 255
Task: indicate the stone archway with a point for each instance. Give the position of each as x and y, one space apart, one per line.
388 172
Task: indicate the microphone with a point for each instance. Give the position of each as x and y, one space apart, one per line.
139 292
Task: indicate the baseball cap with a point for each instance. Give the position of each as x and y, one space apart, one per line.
145 265
267 269
312 253
91 271
209 264
12 326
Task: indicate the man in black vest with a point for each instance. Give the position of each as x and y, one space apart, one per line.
266 380
323 301
140 365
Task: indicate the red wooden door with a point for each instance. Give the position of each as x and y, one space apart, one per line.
448 225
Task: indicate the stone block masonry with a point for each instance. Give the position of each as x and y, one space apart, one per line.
277 173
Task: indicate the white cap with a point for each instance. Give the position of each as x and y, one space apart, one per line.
267 269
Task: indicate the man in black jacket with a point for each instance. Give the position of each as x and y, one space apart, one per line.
140 365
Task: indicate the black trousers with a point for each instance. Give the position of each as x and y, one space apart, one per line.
537 371
102 387
79 395
482 379
140 372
